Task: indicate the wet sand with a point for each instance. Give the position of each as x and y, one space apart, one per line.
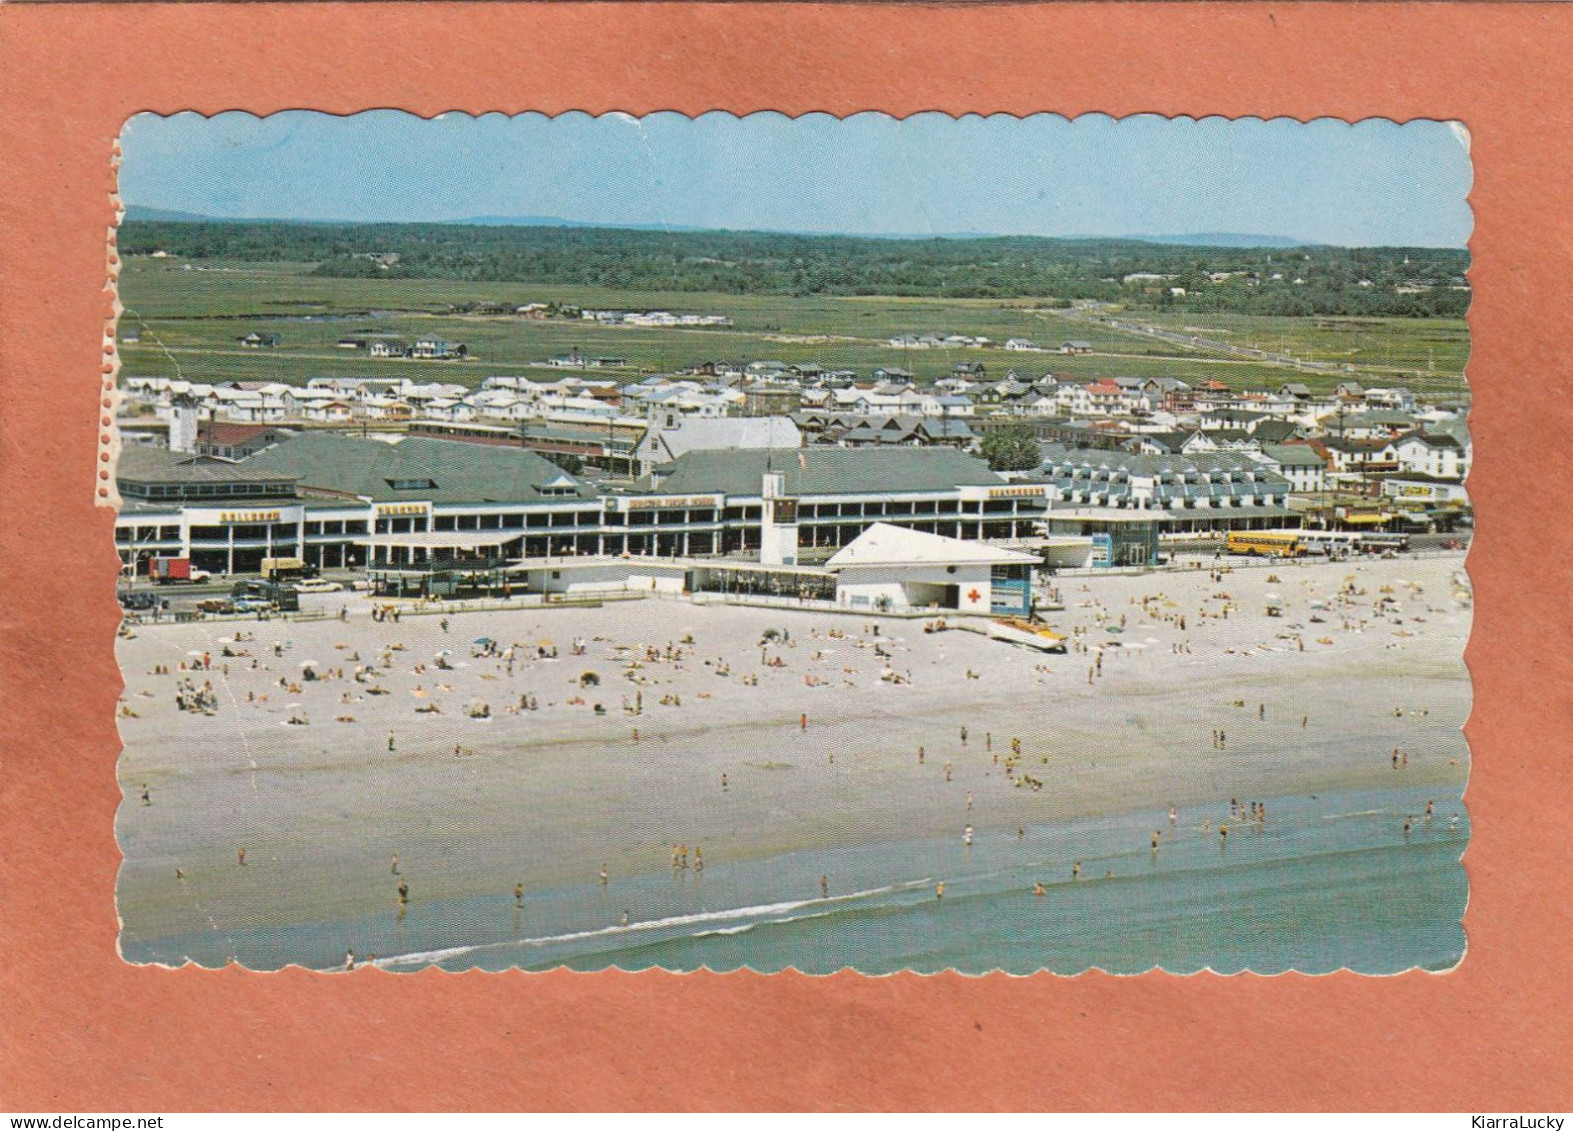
544 797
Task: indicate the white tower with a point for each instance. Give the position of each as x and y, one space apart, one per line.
778 522
183 414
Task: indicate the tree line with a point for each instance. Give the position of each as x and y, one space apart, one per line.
1412 282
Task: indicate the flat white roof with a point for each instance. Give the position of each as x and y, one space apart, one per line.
884 543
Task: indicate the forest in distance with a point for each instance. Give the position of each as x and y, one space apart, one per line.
1276 281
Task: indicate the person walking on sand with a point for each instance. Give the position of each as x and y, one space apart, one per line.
920 755
393 865
966 837
240 857
404 892
969 801
699 859
349 960
390 742
147 798
518 895
963 736
947 771
723 782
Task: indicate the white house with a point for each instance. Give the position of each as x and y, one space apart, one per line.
1298 463
1438 455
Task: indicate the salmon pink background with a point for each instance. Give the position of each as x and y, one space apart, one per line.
80 1030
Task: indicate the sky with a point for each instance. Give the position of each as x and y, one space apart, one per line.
1371 183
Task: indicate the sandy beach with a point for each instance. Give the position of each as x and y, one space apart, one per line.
817 750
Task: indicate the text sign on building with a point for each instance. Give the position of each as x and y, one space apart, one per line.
686 501
247 517
401 510
1016 492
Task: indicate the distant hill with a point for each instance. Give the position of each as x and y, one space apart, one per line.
1224 239
135 212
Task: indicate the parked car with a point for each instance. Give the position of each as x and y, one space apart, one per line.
250 605
318 585
215 605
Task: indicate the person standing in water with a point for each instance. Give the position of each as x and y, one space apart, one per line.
518 895
939 890
824 887
404 892
603 874
1076 870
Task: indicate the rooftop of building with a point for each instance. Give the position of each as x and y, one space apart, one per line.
824 471
417 468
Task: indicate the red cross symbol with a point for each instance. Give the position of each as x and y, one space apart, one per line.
974 596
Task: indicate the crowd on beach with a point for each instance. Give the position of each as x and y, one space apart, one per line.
826 652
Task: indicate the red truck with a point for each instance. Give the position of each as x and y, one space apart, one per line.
166 570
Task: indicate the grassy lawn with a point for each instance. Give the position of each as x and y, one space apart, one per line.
190 317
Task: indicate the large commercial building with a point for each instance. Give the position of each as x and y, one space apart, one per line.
1184 494
418 504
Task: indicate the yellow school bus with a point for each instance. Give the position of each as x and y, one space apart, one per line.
1267 543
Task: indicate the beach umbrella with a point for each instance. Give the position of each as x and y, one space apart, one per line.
484 641
545 644
197 652
309 664
445 652
1114 628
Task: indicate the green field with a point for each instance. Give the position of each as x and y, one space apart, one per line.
191 315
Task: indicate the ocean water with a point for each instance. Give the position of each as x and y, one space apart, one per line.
1325 883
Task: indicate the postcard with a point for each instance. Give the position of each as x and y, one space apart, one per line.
969 544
